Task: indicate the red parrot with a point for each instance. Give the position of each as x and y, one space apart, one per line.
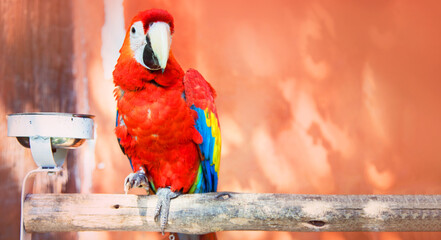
166 122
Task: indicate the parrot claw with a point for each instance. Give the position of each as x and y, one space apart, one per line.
138 180
163 206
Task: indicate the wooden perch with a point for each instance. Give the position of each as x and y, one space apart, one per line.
212 212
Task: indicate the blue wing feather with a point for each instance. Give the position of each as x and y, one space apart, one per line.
208 180
121 122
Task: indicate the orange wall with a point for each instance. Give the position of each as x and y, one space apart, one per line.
318 97
336 92
315 97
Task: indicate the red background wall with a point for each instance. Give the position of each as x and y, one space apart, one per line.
323 97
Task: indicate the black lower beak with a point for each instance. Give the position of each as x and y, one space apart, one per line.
149 57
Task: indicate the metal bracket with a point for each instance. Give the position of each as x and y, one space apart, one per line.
44 155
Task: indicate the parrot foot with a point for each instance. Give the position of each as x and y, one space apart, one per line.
138 179
163 206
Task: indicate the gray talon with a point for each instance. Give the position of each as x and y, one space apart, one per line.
163 206
138 180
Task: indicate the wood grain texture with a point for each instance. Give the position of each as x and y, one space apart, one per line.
212 212
36 74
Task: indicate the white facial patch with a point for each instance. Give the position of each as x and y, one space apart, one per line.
138 41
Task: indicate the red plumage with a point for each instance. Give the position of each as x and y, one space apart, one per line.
156 127
167 122
159 131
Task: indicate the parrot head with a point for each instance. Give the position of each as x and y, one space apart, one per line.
145 55
148 39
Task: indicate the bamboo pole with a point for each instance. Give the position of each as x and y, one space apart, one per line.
212 212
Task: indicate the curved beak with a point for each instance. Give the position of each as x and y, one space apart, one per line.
160 40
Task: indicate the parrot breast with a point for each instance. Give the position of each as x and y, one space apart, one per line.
159 134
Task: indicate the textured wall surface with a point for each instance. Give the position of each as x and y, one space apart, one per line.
318 97
36 75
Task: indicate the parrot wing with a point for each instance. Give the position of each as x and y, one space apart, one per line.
199 96
120 123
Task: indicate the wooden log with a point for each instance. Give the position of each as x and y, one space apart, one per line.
212 212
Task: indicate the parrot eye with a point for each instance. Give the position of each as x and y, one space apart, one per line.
135 29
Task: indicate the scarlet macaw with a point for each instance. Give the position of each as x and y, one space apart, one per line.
167 123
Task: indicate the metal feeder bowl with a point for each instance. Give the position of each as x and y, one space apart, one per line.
50 135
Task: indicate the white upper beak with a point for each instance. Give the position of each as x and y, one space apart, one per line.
160 40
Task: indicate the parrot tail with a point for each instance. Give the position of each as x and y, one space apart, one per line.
208 236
